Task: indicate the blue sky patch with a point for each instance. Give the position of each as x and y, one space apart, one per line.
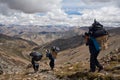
73 13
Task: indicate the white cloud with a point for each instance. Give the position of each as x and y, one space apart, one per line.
12 11
17 12
106 15
94 2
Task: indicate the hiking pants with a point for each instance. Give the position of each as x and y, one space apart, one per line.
35 65
94 62
52 64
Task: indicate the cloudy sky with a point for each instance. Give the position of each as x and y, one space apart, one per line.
60 12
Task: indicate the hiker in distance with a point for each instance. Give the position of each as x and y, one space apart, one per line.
95 31
52 54
36 56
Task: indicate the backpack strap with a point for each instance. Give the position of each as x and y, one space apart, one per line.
96 44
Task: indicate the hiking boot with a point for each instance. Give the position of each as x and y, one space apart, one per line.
36 70
91 70
100 68
52 69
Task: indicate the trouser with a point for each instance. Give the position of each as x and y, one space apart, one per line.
35 65
52 64
94 62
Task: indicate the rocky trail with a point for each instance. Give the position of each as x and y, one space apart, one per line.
20 73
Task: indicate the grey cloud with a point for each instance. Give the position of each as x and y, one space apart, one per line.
31 6
99 0
118 3
4 10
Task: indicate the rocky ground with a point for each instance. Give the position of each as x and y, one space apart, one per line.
67 71
71 64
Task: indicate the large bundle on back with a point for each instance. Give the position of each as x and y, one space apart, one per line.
55 50
36 55
99 33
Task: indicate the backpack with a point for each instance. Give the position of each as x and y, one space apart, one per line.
97 30
99 33
103 41
55 49
36 55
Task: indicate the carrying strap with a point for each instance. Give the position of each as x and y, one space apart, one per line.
96 44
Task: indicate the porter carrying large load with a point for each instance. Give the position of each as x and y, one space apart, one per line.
36 55
99 33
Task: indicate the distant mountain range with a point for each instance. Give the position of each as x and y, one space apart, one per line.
40 34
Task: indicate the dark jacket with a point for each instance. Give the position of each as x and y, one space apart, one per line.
92 48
